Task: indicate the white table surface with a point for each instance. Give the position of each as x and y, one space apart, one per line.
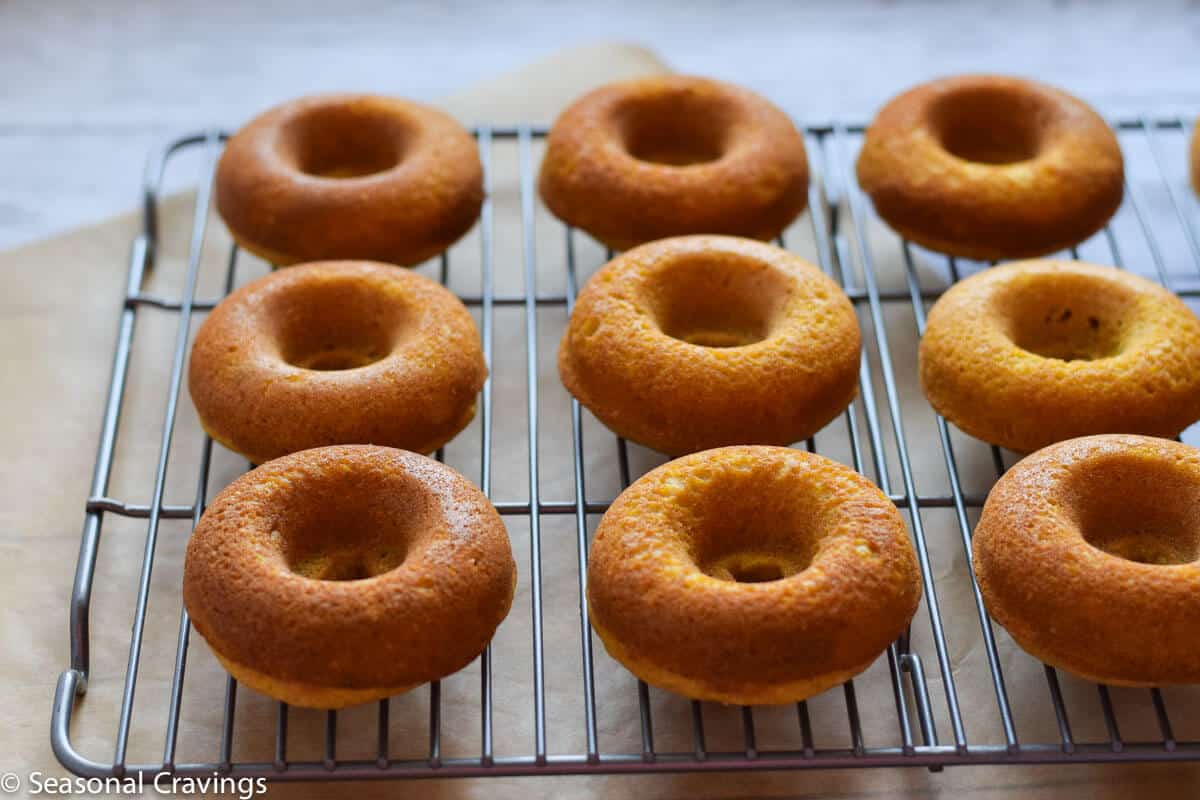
87 88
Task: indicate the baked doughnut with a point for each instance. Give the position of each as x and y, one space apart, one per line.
989 167
655 157
1088 552
345 574
701 341
750 575
336 352
1033 352
349 176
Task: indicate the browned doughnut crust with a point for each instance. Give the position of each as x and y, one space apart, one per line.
1033 352
645 159
349 176
1088 552
990 167
1195 159
751 575
343 574
336 353
702 341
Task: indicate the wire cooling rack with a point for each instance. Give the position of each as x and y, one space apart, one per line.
934 712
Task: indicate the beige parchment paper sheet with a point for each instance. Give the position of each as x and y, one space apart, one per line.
59 308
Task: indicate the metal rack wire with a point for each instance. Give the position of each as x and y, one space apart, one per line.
839 217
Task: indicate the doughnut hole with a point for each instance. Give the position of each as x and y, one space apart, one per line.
345 140
1068 317
754 528
679 128
1141 510
337 324
989 125
352 526
721 301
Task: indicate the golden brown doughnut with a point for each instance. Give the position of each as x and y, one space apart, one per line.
664 156
702 341
349 176
751 575
345 574
1088 552
1033 352
336 352
989 167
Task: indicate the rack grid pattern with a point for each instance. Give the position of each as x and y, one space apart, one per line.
838 214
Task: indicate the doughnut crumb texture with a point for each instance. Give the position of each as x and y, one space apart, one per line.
1088 553
1029 353
349 176
990 167
336 353
650 158
750 575
697 342
341 575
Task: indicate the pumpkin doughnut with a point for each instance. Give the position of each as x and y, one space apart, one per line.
989 167
702 341
1033 352
655 157
1088 552
345 574
751 575
349 176
336 352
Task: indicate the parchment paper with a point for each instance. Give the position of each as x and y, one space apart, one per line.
60 308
